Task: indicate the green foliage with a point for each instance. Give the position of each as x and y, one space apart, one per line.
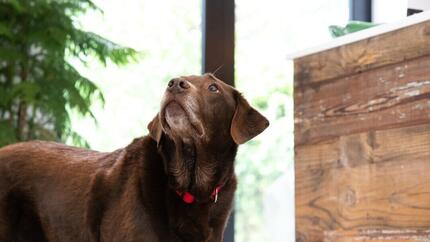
263 160
38 87
351 27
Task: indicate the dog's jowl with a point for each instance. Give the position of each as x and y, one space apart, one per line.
176 184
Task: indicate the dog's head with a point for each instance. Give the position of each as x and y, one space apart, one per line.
198 128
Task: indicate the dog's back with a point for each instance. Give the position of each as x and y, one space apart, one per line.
46 176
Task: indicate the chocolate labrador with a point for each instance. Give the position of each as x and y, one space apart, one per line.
176 184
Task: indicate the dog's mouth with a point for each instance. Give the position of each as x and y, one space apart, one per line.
176 119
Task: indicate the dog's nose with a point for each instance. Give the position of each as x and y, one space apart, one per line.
177 85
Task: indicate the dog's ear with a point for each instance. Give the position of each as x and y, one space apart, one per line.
155 130
247 122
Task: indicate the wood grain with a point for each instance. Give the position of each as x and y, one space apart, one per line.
370 180
393 47
393 96
378 235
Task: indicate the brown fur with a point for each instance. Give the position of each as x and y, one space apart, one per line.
53 192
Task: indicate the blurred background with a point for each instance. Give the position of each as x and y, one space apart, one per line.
91 73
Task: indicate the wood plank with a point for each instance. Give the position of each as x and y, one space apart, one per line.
369 180
393 96
378 235
389 48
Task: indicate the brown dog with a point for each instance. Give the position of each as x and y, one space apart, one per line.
175 185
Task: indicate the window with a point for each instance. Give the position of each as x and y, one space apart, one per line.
265 34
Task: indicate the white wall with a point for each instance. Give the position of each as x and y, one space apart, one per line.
387 11
419 4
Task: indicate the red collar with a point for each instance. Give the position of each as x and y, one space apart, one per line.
189 198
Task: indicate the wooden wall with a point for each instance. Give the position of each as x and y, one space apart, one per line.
362 135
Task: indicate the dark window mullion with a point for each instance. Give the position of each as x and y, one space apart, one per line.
218 38
360 10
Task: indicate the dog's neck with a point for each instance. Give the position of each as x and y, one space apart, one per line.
196 167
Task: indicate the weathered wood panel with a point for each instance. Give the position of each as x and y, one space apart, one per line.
387 97
370 180
393 47
378 235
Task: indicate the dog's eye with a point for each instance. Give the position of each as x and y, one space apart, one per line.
213 88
